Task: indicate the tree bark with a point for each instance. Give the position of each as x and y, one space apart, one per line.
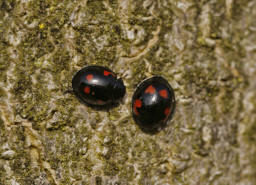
205 49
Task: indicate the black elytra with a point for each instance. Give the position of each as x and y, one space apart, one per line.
97 86
153 103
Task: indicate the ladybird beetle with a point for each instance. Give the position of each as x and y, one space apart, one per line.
97 86
153 103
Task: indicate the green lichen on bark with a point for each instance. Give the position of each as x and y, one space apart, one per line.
205 49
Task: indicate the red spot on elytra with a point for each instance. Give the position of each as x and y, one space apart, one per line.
87 90
100 102
106 73
89 77
167 111
135 111
150 90
137 104
163 93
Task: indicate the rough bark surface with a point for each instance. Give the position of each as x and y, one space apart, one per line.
206 50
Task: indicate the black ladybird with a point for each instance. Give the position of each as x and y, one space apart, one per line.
97 86
153 103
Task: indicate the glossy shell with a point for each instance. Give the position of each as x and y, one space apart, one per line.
98 86
153 103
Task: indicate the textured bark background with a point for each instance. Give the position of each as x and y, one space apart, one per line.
205 48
